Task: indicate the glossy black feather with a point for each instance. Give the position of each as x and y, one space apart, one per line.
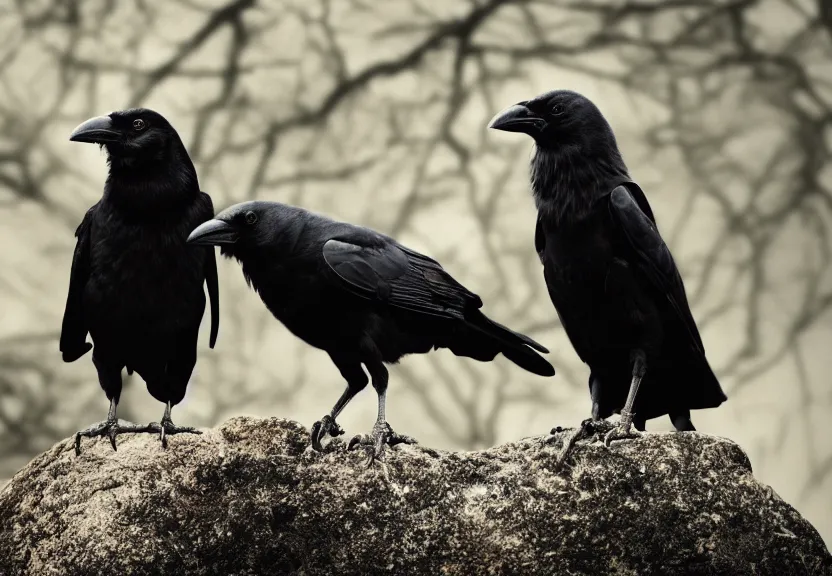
654 259
610 276
212 284
362 296
136 287
74 328
400 277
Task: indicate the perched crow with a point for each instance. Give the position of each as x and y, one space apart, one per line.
611 277
135 285
360 296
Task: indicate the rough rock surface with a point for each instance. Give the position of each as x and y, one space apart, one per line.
249 497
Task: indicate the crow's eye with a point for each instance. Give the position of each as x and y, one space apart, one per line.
557 109
251 218
138 124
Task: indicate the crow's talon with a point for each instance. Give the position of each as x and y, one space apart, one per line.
589 423
321 428
623 431
167 427
108 428
358 439
589 429
374 443
112 432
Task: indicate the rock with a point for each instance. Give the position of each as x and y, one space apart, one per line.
250 497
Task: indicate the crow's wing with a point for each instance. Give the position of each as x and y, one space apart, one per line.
212 283
387 272
638 196
641 200
653 257
576 333
539 238
74 327
211 280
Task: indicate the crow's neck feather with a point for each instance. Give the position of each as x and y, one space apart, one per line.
566 181
265 257
147 186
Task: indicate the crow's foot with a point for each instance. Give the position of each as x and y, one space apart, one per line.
623 430
108 428
374 442
321 428
167 428
589 428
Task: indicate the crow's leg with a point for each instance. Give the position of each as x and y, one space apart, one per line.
589 427
382 432
327 424
623 430
167 427
682 422
109 376
595 394
356 381
169 379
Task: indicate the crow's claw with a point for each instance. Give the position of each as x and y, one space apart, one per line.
589 428
112 432
586 428
622 431
374 443
358 439
108 428
321 428
167 427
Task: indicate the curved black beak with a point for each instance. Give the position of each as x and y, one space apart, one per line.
518 118
213 233
98 130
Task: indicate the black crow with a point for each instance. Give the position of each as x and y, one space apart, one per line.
360 296
135 285
611 277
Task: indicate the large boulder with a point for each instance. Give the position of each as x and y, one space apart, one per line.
250 497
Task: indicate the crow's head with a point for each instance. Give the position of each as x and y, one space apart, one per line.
131 135
239 227
557 119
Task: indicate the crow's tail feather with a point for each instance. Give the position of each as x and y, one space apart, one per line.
514 346
522 337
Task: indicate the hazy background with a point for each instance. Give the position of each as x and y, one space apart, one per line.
376 113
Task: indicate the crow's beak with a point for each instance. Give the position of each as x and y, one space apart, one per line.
518 118
213 233
98 130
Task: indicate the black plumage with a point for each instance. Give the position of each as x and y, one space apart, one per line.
360 296
611 277
135 285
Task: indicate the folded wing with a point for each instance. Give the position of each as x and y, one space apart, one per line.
74 328
388 272
653 258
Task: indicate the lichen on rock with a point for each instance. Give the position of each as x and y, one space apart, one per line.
250 497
